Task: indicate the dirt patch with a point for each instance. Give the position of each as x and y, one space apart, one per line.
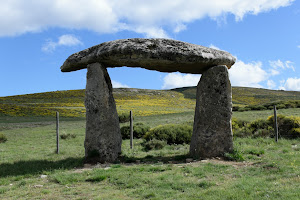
225 162
194 163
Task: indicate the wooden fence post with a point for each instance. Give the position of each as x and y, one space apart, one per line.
131 130
275 124
57 132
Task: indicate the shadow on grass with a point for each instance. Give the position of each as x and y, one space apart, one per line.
33 167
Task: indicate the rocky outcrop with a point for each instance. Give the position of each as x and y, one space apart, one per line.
212 133
164 55
103 137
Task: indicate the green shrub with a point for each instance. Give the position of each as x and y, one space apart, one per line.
280 106
259 124
295 132
260 128
287 126
242 132
154 144
124 117
67 136
171 133
257 107
3 138
289 105
244 109
139 130
269 106
235 108
237 123
235 155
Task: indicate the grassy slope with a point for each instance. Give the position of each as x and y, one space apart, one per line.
141 102
249 96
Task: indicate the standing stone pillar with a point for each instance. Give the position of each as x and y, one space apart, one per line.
103 137
212 133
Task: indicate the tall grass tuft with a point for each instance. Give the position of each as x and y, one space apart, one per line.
3 138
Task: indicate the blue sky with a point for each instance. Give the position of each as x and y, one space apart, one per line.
37 36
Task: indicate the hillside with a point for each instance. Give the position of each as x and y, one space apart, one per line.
249 96
141 101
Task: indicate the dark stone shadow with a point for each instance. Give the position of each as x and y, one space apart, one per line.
33 167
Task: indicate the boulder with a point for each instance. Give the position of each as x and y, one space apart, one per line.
164 55
212 133
103 136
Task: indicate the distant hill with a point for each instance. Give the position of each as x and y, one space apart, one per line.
248 96
143 102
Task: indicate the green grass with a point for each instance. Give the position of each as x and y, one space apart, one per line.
269 171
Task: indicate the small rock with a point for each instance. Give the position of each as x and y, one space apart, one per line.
107 168
87 165
38 186
189 160
44 176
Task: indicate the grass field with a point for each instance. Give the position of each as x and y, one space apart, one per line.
30 168
270 170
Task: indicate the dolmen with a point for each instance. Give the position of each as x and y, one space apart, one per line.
212 132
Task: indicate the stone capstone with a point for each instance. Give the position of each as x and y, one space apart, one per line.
212 132
164 55
103 137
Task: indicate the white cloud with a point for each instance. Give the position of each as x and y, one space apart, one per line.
214 47
271 84
117 84
64 40
68 40
152 32
274 72
247 74
177 80
278 64
291 84
107 16
180 27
